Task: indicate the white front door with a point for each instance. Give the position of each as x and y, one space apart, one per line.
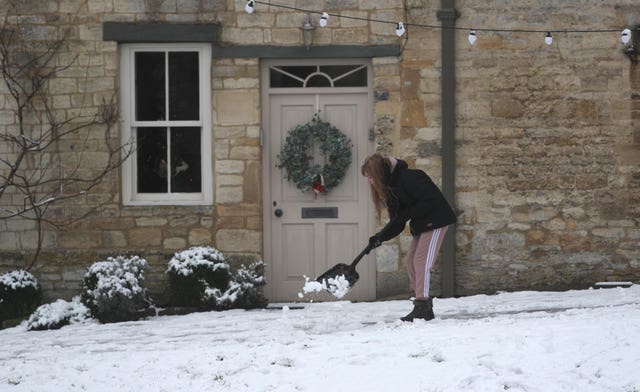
313 234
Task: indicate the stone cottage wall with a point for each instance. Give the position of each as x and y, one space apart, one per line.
547 163
547 145
233 224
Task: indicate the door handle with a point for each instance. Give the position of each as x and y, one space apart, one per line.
278 212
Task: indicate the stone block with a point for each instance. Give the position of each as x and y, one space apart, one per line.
129 6
200 236
8 241
223 180
507 108
145 237
79 240
237 107
252 183
114 239
230 167
151 221
245 152
238 240
609 232
229 194
244 209
240 83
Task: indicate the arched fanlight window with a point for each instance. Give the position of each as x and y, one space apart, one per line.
306 76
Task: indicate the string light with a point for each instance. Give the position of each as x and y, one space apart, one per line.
249 7
625 36
401 26
472 37
324 19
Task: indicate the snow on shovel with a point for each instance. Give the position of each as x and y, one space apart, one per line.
340 278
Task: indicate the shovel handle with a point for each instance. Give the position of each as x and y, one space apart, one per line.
364 252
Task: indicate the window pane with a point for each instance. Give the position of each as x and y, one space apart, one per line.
186 160
278 79
318 81
355 79
184 94
150 80
152 160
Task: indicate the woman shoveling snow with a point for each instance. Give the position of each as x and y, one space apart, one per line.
410 195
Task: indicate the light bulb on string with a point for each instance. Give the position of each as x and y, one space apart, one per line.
472 37
324 19
625 37
548 39
400 30
249 7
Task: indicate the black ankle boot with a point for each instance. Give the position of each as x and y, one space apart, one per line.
422 309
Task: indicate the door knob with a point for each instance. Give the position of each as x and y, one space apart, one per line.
278 212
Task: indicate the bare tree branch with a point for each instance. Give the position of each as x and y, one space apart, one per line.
46 160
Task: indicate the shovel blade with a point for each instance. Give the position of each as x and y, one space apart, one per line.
349 272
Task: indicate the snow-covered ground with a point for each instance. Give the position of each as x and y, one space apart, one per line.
525 341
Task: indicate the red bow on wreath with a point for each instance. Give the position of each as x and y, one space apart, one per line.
318 187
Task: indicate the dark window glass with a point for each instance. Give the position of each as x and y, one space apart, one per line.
318 81
300 71
152 159
278 79
334 73
336 70
355 79
186 160
150 90
184 94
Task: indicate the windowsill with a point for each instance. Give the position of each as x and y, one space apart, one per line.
151 203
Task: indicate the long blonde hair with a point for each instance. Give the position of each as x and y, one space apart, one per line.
378 168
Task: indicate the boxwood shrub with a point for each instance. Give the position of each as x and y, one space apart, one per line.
200 277
113 289
20 294
197 277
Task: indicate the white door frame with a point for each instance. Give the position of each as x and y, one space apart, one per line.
266 93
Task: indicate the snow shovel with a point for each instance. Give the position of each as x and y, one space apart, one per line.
347 270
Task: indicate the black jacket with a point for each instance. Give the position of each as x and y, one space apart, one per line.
413 196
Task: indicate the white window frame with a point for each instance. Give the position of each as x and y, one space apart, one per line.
130 196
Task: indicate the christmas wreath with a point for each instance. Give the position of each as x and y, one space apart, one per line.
295 156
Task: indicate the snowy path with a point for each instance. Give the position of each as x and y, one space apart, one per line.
527 341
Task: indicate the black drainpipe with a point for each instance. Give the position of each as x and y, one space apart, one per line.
447 16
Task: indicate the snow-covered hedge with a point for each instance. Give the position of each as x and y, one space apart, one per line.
201 277
245 289
197 276
113 289
58 314
19 294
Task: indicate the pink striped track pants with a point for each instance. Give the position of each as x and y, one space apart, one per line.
422 254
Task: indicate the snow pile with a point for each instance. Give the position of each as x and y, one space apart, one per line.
338 286
58 314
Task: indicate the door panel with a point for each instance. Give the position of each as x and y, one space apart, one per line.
301 246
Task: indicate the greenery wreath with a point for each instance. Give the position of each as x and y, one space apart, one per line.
295 159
